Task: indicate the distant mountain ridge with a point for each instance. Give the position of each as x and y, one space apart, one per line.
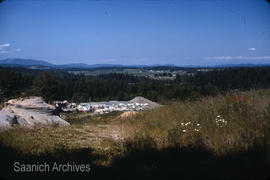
227 65
38 64
24 62
17 62
32 62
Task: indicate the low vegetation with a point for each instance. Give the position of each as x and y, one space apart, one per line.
211 135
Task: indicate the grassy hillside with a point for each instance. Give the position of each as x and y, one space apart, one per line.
215 137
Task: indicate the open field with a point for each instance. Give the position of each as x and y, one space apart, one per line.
207 136
160 74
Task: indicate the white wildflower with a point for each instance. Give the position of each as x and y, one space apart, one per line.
220 121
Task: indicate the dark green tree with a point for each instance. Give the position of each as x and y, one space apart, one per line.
46 85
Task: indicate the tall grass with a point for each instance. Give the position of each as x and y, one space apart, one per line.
224 124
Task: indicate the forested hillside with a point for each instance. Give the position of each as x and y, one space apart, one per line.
59 85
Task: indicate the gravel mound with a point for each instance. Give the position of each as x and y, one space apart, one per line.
143 100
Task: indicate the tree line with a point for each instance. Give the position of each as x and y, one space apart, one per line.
59 85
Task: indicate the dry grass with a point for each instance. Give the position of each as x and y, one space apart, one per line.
176 124
241 122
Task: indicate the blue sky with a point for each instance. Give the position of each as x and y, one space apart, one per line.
187 32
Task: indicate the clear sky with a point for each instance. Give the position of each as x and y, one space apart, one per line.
187 32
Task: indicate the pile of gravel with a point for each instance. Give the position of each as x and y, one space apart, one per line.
143 100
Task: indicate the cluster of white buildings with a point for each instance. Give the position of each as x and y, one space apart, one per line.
101 107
